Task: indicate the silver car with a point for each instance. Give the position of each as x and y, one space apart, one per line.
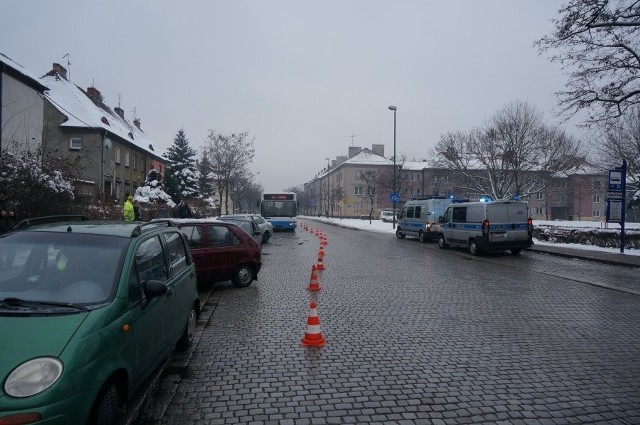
266 228
247 224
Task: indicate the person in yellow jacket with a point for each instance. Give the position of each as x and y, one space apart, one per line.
127 209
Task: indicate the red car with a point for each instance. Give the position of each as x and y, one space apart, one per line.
222 251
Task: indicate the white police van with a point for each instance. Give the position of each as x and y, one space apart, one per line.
486 226
419 217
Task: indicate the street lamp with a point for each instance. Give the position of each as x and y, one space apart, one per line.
393 191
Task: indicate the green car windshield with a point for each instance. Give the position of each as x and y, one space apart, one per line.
59 267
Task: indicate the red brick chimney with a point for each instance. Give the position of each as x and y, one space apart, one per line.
136 122
94 94
119 111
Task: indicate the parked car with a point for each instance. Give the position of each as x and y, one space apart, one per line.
266 228
88 311
247 224
222 251
386 216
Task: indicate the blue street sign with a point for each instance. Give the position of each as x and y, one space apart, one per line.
394 198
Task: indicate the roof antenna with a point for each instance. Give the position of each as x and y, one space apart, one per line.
68 65
353 136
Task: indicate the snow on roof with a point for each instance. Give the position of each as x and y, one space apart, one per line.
415 165
82 112
22 70
367 157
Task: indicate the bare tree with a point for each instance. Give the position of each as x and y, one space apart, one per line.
229 156
598 43
622 141
508 156
370 179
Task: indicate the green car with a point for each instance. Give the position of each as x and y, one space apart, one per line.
88 311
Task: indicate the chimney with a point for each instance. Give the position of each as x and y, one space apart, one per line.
378 149
94 94
60 70
136 122
119 111
354 150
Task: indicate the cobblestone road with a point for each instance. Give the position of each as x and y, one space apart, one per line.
413 335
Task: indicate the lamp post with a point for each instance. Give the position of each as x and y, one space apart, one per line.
393 191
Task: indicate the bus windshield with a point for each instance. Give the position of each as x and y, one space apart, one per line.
279 209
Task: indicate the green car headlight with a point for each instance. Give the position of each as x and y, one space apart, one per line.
33 377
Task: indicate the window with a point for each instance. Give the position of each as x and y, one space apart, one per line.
358 175
219 236
75 143
358 190
596 184
539 196
459 215
117 155
193 234
418 177
596 198
177 252
596 213
149 261
135 161
417 212
539 211
410 211
126 159
371 191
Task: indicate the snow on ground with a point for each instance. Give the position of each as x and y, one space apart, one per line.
382 227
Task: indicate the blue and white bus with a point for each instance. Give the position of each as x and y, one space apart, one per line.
280 209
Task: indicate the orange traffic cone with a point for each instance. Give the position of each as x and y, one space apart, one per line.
313 337
320 263
314 283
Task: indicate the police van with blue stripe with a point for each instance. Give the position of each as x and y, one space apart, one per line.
419 217
486 226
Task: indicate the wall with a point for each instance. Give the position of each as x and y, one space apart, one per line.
22 116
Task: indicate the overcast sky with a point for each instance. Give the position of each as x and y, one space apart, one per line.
302 77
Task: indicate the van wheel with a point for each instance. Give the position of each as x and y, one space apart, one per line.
473 247
266 237
400 235
421 237
243 276
442 243
515 251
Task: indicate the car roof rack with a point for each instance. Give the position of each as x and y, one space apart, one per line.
35 221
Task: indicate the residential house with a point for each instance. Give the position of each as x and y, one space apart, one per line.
114 155
341 188
21 114
350 186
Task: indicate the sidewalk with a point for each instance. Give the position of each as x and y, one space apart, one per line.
597 256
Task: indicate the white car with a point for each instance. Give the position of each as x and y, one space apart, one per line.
266 228
386 216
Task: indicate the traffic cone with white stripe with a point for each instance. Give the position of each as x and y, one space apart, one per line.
313 337
314 283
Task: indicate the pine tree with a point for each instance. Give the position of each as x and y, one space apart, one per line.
205 178
181 166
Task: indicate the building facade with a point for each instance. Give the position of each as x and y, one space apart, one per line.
343 188
21 114
113 154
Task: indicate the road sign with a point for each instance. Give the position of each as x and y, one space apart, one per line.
394 198
614 210
615 180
